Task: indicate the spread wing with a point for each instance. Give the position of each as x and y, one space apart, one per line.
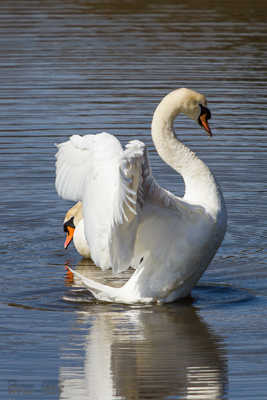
109 182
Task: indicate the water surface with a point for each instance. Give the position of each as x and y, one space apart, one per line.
88 66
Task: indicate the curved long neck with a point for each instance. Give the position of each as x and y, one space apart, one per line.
200 185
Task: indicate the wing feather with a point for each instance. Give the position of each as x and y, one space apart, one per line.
130 202
73 163
109 182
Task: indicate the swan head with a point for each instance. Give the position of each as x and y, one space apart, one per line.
71 221
189 102
194 106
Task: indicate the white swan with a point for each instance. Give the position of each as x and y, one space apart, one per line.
74 228
129 220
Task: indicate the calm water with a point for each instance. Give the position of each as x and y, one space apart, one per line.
86 66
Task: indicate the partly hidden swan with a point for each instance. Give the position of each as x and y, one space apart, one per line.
129 220
74 228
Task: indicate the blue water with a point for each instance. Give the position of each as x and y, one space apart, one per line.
88 66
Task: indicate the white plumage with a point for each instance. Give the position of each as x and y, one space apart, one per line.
129 220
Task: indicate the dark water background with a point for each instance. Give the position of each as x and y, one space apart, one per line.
87 66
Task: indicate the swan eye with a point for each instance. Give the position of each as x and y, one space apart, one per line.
69 223
204 110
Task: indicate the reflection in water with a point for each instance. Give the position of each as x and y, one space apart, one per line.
145 353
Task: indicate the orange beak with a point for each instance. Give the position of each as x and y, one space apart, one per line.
69 237
204 123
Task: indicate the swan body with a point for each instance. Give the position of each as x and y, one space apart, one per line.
129 220
74 227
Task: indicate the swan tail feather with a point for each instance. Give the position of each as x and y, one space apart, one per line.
100 291
110 294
